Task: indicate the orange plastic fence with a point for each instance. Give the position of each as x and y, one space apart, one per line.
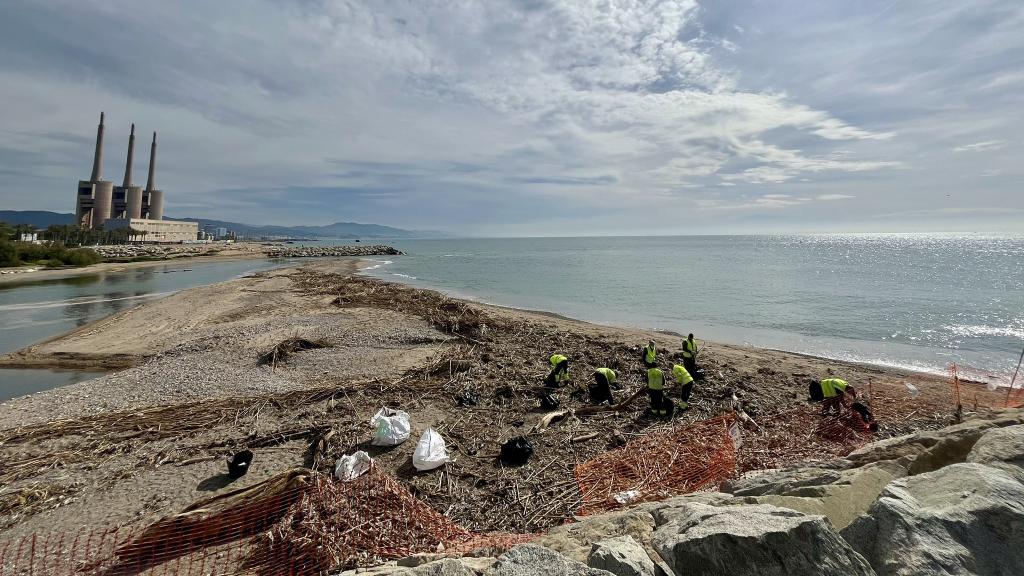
682 459
1013 397
312 527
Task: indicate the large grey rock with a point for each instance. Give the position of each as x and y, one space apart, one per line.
622 556
783 480
930 450
759 540
959 520
534 560
1001 448
839 495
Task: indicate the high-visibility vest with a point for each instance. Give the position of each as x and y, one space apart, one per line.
655 379
682 376
689 348
650 354
608 373
557 359
830 387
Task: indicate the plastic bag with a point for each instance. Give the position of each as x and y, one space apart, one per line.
516 451
391 427
912 389
352 466
626 497
430 451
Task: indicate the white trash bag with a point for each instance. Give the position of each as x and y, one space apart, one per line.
391 427
912 390
352 466
430 451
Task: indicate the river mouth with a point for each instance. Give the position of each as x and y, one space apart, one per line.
36 310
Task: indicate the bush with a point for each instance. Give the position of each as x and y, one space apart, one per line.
80 257
53 263
8 253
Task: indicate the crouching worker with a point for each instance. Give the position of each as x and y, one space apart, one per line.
601 389
660 407
559 375
833 392
685 382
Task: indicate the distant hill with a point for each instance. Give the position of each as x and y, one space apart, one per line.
37 218
42 219
336 230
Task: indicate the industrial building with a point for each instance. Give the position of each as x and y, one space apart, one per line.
101 204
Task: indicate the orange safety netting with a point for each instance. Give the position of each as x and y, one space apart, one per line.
682 459
297 523
971 397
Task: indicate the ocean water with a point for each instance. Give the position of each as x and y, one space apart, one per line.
913 301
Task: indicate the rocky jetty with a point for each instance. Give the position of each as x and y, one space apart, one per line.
331 251
948 501
159 251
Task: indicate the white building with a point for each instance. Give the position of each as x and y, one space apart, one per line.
157 231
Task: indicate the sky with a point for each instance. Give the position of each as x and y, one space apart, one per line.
529 117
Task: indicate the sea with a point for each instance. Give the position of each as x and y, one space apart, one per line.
912 301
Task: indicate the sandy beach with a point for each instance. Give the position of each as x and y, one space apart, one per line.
151 438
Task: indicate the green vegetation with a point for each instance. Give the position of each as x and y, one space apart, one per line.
54 252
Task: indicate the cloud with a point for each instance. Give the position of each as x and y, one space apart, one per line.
472 114
981 146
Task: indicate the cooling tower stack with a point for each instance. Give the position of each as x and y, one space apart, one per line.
99 200
95 196
155 198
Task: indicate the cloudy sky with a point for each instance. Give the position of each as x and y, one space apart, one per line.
529 117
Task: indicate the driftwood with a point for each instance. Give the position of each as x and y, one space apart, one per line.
551 417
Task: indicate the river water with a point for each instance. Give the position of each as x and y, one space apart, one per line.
34 310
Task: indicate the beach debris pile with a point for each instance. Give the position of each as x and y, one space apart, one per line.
282 350
501 359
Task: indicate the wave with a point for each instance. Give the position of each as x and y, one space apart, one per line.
404 276
378 264
984 330
80 301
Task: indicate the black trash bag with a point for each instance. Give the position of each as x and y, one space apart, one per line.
815 392
864 411
516 451
699 375
549 402
239 464
599 394
467 398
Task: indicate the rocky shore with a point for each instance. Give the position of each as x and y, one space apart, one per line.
948 501
331 251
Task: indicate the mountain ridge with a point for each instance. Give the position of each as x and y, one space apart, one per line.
44 218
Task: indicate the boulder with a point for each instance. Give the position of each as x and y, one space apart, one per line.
1001 448
759 540
534 560
963 519
622 556
839 495
930 450
446 567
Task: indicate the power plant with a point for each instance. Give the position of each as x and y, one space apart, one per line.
101 204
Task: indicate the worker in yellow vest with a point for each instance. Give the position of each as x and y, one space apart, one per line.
685 382
834 391
601 391
690 354
559 375
649 355
656 392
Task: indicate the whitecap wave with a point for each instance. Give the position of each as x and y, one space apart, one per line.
404 276
378 264
985 330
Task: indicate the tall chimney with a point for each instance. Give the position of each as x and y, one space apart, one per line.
97 159
150 185
131 157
